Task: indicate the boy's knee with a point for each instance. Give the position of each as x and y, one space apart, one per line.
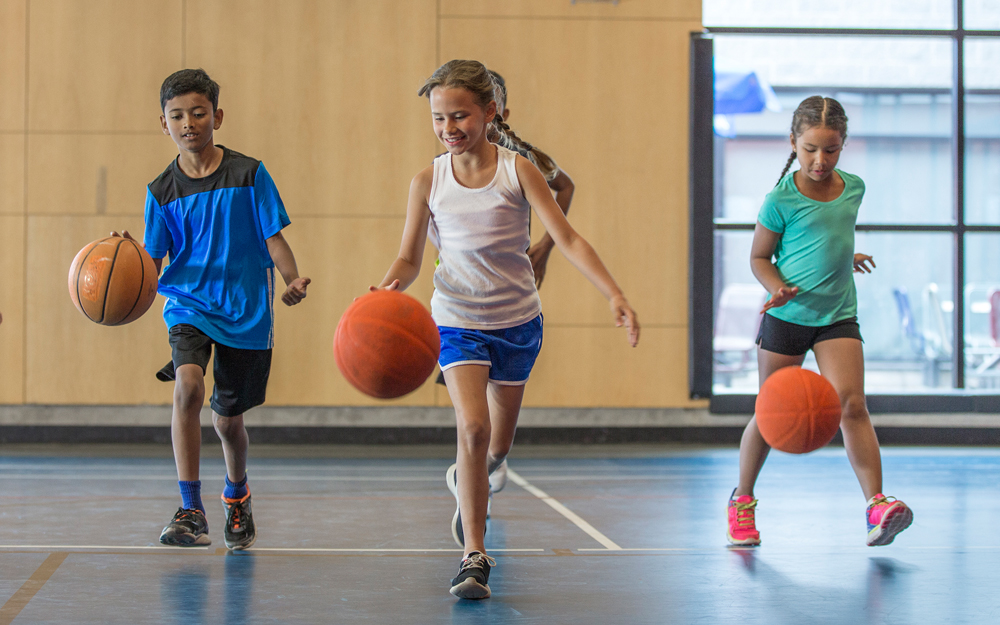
227 427
189 392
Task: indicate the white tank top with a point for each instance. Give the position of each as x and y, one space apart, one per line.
484 279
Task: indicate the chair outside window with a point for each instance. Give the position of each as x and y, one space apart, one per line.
736 323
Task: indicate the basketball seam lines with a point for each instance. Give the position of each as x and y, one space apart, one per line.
107 287
79 270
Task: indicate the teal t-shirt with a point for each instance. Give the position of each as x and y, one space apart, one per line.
815 251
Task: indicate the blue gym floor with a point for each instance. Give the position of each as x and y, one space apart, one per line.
597 534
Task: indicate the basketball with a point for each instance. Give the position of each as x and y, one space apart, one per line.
386 344
797 410
112 281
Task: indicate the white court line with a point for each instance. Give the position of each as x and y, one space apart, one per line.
319 550
256 478
563 510
103 547
269 549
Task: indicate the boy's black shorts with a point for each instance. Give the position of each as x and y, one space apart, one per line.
240 374
791 339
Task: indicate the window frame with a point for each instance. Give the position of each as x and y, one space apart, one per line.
703 225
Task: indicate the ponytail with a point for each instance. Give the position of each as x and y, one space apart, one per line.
509 139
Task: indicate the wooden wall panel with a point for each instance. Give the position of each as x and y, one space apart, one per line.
11 174
614 117
13 28
71 360
342 257
97 65
94 174
594 9
325 93
596 367
12 309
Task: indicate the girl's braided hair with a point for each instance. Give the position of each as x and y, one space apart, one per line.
816 112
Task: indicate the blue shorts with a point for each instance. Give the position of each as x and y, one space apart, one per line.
509 353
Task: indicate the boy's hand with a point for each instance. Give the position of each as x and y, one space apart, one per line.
780 297
296 291
539 256
124 234
625 316
860 265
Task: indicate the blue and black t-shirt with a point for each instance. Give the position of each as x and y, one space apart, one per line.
221 277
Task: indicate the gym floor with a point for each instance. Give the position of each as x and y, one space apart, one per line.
594 534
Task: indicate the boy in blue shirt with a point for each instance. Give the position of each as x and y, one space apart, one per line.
219 217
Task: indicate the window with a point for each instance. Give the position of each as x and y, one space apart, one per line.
931 213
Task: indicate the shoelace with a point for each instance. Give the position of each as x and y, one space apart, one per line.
476 560
236 518
881 500
745 512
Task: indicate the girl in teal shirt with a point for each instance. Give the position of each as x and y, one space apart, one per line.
807 226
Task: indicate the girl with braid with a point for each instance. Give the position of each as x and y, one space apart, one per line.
807 225
476 199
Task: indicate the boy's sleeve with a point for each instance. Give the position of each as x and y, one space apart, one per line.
270 208
156 238
770 217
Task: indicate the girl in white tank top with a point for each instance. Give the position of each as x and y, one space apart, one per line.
474 202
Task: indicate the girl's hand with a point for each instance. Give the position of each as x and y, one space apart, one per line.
124 234
859 263
392 286
296 291
624 315
780 298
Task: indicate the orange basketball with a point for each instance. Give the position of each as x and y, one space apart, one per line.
386 344
112 281
797 410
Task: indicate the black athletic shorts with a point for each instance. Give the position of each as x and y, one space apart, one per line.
791 339
240 374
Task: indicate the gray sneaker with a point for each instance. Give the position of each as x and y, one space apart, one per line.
188 528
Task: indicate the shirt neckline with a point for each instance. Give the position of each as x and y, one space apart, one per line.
492 183
802 195
207 179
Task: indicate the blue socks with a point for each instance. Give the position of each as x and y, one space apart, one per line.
238 490
191 495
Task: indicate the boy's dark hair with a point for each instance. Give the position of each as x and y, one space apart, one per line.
189 81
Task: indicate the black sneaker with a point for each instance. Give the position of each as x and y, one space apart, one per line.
240 530
470 583
189 528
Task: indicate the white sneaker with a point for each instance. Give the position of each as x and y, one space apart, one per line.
498 479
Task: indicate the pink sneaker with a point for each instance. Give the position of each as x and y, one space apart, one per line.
742 530
886 519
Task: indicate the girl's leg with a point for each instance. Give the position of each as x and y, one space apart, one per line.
185 422
505 406
841 361
235 444
753 449
467 386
